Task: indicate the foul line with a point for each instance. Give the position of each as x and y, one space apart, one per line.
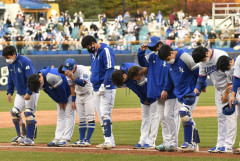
115 149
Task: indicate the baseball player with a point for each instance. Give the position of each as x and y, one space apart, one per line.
158 88
20 68
231 68
102 66
227 125
56 86
183 72
150 117
78 77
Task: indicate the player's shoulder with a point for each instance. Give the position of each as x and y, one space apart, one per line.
24 60
54 79
82 69
218 52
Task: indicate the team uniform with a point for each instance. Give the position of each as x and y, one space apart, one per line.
102 66
150 116
19 71
184 74
236 81
168 110
56 86
236 85
227 126
84 104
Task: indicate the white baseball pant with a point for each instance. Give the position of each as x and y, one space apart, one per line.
65 121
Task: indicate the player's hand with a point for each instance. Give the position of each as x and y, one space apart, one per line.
101 90
196 91
229 88
27 97
232 99
9 98
224 97
73 106
164 95
62 106
146 103
204 90
69 74
143 47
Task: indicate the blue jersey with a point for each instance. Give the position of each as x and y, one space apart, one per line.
157 75
19 71
184 74
55 85
141 91
102 66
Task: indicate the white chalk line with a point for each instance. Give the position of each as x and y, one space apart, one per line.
89 148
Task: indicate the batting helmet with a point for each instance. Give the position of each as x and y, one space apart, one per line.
226 110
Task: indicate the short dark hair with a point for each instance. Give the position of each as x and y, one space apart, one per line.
223 63
117 78
9 51
164 52
34 83
88 40
134 71
199 54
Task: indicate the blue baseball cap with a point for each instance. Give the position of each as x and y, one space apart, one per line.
154 40
68 64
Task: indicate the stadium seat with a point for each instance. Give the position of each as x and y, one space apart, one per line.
32 52
73 52
84 51
64 52
41 52
52 52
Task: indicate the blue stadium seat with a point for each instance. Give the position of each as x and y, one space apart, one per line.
41 52
64 52
126 52
52 52
73 52
32 52
84 51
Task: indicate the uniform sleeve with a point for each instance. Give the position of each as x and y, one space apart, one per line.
143 60
84 78
70 82
201 83
168 83
56 82
10 85
108 64
188 60
29 70
202 71
237 68
229 76
236 79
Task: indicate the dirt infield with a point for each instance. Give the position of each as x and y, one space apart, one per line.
120 149
50 117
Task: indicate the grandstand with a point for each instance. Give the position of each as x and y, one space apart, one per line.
61 35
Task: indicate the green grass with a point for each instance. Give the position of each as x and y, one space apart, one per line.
127 133
125 98
43 156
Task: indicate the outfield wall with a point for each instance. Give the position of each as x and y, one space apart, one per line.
40 61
